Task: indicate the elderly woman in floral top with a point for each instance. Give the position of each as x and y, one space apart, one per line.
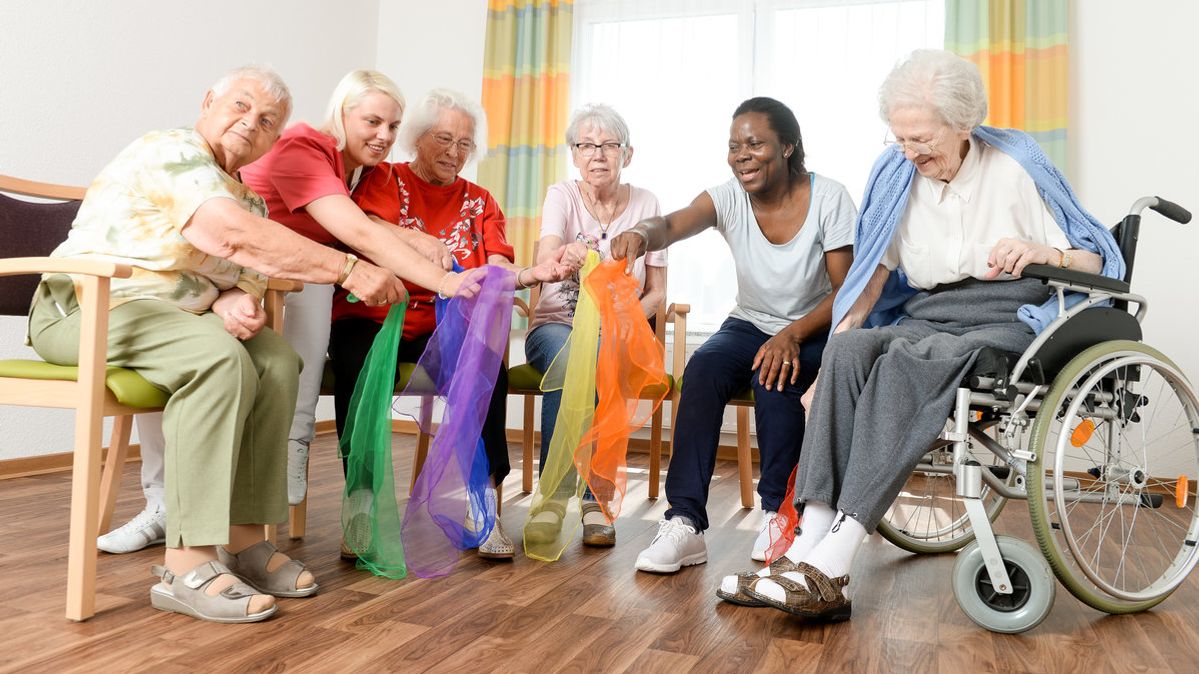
172 207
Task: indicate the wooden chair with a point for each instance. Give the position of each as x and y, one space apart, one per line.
29 231
743 402
525 380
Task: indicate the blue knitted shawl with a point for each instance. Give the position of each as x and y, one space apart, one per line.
886 200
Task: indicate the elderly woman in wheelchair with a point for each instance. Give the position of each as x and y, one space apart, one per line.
961 228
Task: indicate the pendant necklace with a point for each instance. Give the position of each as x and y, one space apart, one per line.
595 213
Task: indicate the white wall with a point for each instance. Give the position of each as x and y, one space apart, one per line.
80 80
1133 98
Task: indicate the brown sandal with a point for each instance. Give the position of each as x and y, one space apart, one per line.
821 599
746 578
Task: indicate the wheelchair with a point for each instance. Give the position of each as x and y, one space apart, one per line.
1096 430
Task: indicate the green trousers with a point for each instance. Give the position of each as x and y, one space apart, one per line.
230 406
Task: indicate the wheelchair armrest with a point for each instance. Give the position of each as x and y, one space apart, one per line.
1074 278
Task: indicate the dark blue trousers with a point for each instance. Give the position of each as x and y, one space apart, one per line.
717 371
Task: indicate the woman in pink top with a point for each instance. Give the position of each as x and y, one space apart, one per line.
585 214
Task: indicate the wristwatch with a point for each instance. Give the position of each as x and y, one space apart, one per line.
1065 260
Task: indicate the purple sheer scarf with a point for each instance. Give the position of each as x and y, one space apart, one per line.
448 510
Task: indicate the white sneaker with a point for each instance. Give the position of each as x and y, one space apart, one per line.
677 544
297 471
762 542
149 527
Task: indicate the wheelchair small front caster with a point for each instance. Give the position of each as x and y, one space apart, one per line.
1033 587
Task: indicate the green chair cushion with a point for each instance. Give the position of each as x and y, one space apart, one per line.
127 386
526 379
403 374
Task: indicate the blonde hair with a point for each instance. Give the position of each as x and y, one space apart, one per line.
350 90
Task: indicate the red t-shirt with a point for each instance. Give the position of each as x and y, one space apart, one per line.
303 166
462 214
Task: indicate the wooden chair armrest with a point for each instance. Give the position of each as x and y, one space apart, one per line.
522 307
284 285
32 188
63 265
677 310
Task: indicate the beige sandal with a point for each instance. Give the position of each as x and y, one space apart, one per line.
250 565
597 535
186 594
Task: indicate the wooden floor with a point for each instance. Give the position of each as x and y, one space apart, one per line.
588 612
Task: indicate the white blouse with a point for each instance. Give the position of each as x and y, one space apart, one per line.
949 229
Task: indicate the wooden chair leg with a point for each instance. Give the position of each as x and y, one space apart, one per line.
422 439
655 452
526 445
270 532
110 482
297 519
85 469
744 460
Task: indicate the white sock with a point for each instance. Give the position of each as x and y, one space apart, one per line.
817 518
833 556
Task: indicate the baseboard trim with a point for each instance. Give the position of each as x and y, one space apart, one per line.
51 463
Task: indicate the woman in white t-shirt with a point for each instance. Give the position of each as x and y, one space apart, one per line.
587 214
791 233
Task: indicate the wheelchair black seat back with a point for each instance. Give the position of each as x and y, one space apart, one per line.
1098 431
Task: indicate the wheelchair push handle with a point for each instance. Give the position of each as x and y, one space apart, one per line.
1167 208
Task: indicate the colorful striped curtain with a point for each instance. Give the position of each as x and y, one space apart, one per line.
1021 48
526 78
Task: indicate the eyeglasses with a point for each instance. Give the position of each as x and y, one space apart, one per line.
918 146
588 149
444 141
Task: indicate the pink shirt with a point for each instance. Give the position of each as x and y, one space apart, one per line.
303 166
565 216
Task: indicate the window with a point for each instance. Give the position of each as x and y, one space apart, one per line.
676 70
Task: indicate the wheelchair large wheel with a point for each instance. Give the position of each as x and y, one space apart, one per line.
1112 490
928 517
1032 594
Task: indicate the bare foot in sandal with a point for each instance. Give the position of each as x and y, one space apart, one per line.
208 591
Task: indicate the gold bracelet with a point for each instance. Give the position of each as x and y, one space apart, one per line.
351 260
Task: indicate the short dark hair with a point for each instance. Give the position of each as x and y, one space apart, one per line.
782 123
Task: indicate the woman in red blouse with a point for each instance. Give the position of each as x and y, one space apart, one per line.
428 196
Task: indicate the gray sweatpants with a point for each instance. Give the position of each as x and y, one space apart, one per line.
884 393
